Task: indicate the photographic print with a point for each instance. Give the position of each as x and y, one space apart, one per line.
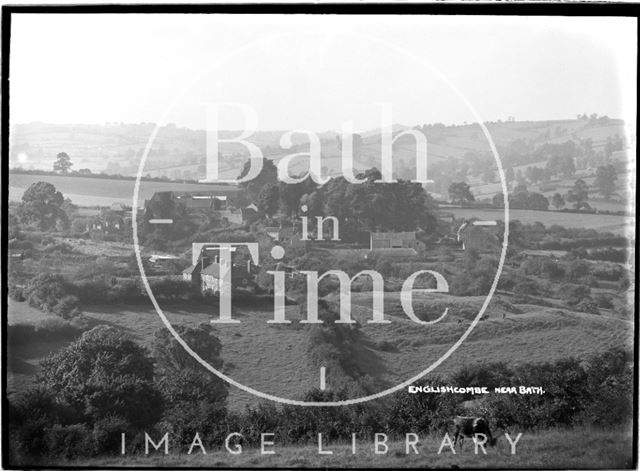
322 236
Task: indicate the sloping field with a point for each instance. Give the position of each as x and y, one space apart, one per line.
274 358
102 191
598 222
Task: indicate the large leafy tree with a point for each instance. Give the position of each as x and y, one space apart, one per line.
62 163
460 193
606 180
104 374
267 176
164 206
268 199
195 399
579 194
557 200
43 206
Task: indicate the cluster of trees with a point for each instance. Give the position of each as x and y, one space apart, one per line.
364 207
522 198
44 208
83 414
104 384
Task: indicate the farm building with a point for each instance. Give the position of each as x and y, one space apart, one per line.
213 200
479 237
395 243
207 272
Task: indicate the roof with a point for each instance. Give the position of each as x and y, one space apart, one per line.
192 269
198 203
393 235
399 252
213 270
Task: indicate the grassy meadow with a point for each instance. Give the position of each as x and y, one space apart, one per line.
599 222
99 191
576 448
268 357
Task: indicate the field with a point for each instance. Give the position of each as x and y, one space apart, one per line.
274 359
599 222
99 191
549 449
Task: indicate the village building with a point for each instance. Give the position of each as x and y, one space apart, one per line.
479 237
207 272
395 244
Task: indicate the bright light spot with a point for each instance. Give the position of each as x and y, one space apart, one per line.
22 158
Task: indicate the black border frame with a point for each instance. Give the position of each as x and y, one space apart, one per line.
497 9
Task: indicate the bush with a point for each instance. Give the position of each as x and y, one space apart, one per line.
112 374
47 330
106 435
588 305
16 293
604 301
45 290
68 441
67 308
526 287
20 245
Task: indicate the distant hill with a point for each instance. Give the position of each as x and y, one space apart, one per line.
180 152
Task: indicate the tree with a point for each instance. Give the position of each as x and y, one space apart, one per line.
520 188
488 174
498 200
509 174
268 175
606 180
42 206
164 206
567 165
45 290
268 199
195 400
557 200
102 374
62 163
460 193
181 377
537 201
578 194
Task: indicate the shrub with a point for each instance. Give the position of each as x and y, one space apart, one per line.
16 293
604 301
47 330
526 287
588 305
577 269
45 290
112 374
20 244
106 434
68 441
67 308
573 294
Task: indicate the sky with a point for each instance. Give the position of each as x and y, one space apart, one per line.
317 71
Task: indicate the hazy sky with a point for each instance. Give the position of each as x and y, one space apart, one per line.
314 72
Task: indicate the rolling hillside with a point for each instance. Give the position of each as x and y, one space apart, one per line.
274 359
180 152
